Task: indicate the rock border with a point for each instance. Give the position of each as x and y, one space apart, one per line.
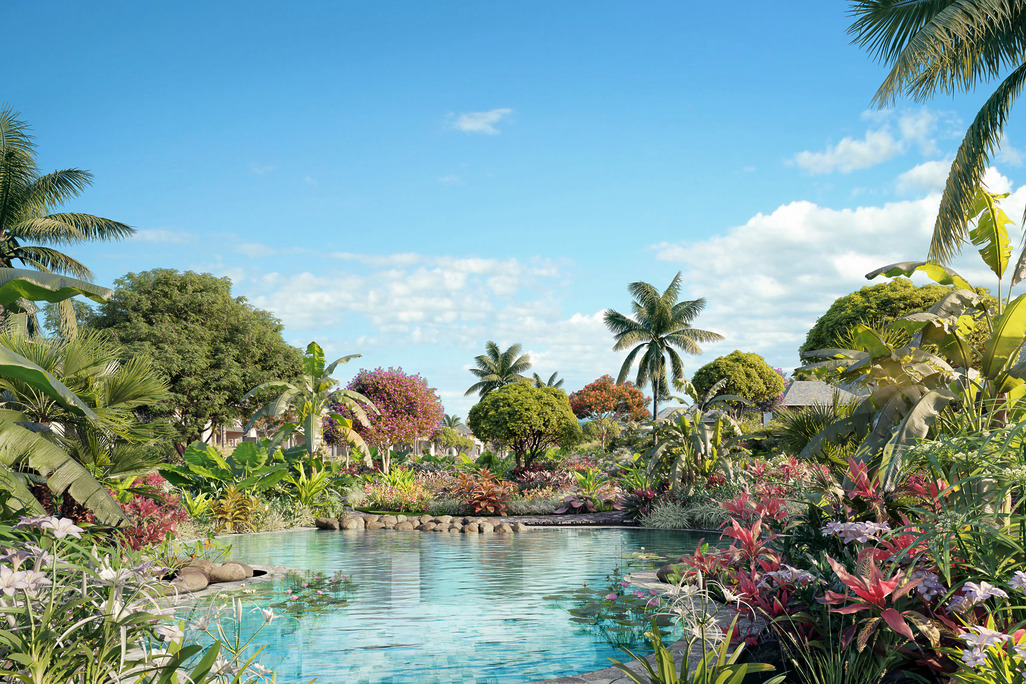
425 523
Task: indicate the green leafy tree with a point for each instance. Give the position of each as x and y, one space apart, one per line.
314 399
526 420
746 375
407 409
604 402
31 227
448 438
660 326
949 47
210 347
875 306
497 368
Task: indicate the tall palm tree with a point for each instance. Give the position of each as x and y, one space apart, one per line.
453 421
30 225
551 382
496 369
660 326
949 46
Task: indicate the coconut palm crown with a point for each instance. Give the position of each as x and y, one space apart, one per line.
498 368
948 47
660 325
29 223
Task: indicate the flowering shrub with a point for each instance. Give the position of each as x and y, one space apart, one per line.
408 499
482 493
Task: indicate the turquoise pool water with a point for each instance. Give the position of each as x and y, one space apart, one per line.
445 607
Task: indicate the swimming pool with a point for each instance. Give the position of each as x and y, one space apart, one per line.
445 607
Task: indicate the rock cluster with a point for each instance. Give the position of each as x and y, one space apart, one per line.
198 574
425 523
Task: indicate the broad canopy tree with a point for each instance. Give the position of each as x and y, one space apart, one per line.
526 420
606 402
743 374
209 346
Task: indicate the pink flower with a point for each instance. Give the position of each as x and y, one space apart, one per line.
611 597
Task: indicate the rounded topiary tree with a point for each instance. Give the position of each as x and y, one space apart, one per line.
526 420
873 305
747 375
408 409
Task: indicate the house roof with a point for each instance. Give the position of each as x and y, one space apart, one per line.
809 392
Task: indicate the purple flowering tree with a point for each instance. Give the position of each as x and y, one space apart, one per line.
408 409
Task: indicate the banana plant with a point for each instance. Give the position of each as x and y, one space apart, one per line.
691 442
250 467
909 388
311 398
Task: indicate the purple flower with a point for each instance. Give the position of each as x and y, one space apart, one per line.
611 597
974 658
982 591
1019 581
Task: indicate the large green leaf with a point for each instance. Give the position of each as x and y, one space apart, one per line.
19 495
265 478
63 473
913 427
938 273
36 286
18 367
1007 338
249 456
990 235
313 362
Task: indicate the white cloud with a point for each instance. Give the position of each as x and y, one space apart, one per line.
929 176
892 132
1008 154
481 122
163 236
262 169
851 154
450 179
767 281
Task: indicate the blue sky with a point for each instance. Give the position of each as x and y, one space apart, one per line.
409 180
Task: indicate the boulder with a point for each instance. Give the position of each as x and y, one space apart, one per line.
485 528
189 581
455 527
405 525
353 522
371 518
504 528
229 572
470 528
519 527
426 527
670 573
426 519
389 520
401 518
201 564
446 519
466 520
245 568
326 523
375 525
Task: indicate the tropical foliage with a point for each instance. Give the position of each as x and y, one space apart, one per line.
745 375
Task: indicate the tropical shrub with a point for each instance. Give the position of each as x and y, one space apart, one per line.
405 498
482 493
153 514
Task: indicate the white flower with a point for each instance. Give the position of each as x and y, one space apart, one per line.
1018 581
11 581
982 637
34 580
65 527
169 632
982 591
201 624
268 614
974 658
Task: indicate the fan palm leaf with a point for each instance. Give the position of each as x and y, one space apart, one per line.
496 368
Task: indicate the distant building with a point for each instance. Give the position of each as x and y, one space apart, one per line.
802 393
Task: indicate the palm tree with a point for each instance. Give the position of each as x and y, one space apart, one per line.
947 47
660 326
496 369
552 382
312 401
454 421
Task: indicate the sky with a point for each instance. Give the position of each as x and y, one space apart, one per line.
408 181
